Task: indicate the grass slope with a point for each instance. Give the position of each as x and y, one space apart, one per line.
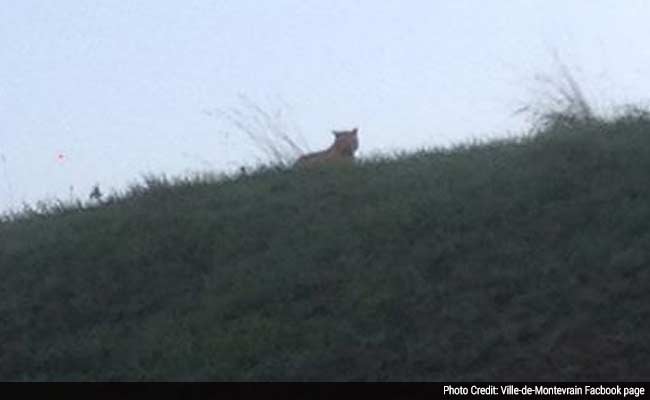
513 259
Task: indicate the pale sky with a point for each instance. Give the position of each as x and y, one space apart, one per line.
121 88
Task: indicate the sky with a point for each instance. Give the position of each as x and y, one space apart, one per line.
104 92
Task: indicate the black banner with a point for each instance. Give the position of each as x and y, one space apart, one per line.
330 391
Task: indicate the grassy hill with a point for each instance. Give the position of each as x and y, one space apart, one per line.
513 259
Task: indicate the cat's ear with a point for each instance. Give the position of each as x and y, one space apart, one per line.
336 133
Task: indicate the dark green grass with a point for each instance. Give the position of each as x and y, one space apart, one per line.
522 259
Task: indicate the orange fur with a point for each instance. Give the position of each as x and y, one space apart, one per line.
343 148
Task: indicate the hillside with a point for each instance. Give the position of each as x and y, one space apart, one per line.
513 259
